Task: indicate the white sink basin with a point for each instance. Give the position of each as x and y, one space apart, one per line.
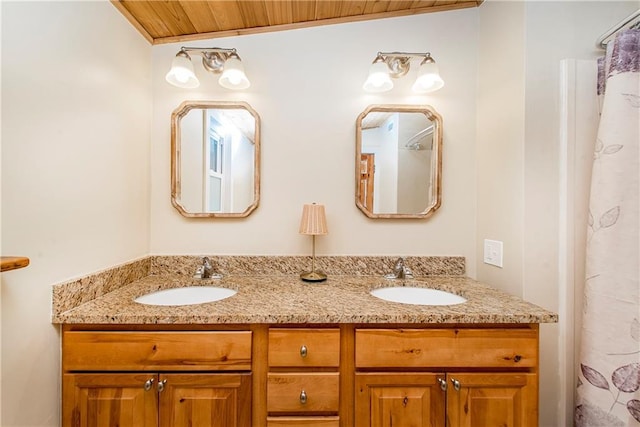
188 295
417 296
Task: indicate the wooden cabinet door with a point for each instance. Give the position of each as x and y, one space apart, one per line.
399 400
492 399
109 400
205 400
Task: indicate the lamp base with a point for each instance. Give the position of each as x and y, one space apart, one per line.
313 276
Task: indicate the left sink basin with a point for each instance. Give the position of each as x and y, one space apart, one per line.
188 295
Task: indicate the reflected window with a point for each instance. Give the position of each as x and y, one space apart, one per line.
215 159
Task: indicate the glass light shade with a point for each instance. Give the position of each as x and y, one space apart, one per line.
181 73
379 79
314 220
233 76
429 79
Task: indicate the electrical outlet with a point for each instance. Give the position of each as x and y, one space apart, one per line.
493 252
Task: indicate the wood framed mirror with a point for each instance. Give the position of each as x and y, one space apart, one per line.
215 159
399 161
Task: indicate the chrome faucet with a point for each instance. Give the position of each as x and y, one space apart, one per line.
400 271
205 271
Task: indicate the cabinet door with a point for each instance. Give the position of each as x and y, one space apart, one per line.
492 399
399 400
109 400
205 400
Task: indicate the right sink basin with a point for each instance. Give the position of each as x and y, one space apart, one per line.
417 296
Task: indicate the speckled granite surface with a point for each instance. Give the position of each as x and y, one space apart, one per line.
76 292
332 265
284 298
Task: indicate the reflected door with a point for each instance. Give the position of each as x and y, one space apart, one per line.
367 170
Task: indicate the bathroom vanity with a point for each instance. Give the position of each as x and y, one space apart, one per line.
295 375
284 353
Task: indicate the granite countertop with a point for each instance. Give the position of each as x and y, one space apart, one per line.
285 299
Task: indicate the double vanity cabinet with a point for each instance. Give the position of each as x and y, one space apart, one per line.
284 375
282 353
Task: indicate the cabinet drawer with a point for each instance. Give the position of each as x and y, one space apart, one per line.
303 422
309 392
141 351
465 348
304 347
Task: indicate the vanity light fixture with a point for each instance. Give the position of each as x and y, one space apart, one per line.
225 62
314 223
388 65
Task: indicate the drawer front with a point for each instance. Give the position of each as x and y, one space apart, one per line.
464 348
153 351
304 347
309 392
303 421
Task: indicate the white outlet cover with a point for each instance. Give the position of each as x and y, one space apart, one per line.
493 252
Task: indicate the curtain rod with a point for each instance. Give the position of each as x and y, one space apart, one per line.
631 21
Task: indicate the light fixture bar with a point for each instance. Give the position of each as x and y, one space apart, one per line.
404 55
208 49
215 60
394 65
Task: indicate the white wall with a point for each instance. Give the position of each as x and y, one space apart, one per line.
82 188
76 104
518 122
307 88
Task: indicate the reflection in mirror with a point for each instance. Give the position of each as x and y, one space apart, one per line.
398 161
215 151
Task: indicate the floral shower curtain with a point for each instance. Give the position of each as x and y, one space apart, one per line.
609 372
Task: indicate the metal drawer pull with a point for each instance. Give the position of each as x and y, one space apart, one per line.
443 384
148 384
161 386
456 384
303 397
303 351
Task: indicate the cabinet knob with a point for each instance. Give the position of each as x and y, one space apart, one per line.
303 351
161 386
303 397
456 384
443 384
148 384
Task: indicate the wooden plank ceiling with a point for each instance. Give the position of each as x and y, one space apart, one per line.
182 20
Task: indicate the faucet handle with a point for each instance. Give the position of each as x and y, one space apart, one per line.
198 273
408 274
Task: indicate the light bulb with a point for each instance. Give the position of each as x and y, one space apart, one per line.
233 76
429 79
378 79
181 73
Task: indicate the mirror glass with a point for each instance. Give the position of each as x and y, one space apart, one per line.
398 161
215 151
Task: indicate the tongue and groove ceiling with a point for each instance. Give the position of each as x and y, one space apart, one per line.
183 20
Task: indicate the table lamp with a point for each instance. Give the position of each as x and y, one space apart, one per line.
313 223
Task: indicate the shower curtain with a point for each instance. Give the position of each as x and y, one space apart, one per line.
609 369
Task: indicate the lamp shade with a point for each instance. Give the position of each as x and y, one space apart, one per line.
314 221
429 79
378 79
181 73
233 76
